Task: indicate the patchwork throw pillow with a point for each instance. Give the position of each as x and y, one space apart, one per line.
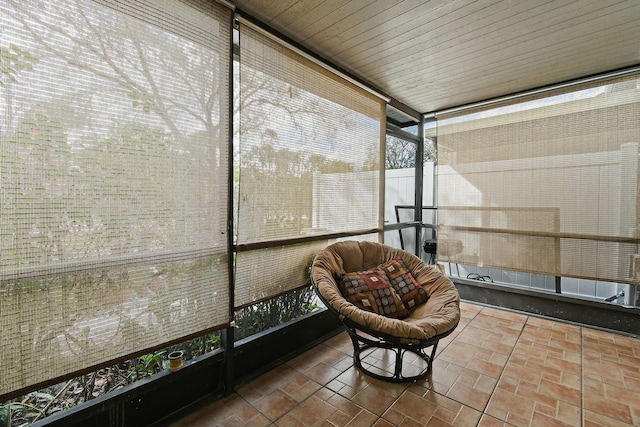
410 292
370 290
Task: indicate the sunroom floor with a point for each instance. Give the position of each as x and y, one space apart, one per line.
499 368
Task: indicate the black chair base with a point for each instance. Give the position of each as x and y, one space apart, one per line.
364 340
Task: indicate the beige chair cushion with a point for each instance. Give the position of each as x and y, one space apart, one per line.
438 315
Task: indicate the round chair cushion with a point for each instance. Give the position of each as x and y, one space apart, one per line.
438 315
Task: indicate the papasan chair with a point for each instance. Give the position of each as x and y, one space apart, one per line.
387 299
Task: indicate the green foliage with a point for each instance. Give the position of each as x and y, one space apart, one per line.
12 61
273 312
8 410
38 183
148 364
146 102
152 362
198 346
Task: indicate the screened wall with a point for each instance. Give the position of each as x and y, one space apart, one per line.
309 164
115 177
547 184
114 181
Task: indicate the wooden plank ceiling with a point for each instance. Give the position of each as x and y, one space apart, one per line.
439 54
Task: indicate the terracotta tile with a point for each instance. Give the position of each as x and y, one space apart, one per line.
452 413
465 319
349 382
620 394
507 406
617 358
322 373
370 393
393 416
630 360
339 419
555 359
495 324
632 384
411 406
430 409
468 311
279 377
593 419
468 395
326 407
511 316
315 356
288 420
566 341
625 345
539 419
554 333
363 419
602 404
311 412
569 414
603 372
467 416
490 340
375 399
560 392
341 388
383 423
498 368
283 379
444 342
481 360
299 392
539 399
565 378
344 405
230 411
274 405
525 390
523 370
340 342
461 384
568 362
489 421
611 376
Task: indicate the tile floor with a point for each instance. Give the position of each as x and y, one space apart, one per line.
499 368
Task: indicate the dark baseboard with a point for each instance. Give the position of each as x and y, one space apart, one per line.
600 315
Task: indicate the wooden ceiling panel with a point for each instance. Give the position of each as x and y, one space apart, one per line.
365 28
438 54
464 42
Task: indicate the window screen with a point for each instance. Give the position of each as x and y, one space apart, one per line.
113 181
309 149
548 184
